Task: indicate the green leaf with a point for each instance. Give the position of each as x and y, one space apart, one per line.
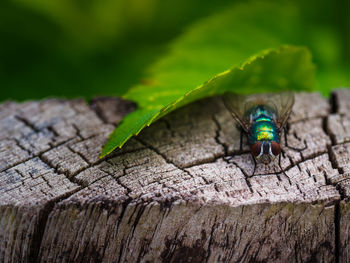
293 70
247 39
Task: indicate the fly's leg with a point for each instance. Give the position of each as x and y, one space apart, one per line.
255 164
290 147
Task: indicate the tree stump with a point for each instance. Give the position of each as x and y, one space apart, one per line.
171 194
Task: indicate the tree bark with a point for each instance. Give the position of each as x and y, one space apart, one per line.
172 194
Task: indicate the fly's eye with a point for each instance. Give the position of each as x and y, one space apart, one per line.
275 148
256 148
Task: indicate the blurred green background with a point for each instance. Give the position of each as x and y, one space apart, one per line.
76 48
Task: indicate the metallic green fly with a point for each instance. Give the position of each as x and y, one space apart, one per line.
262 117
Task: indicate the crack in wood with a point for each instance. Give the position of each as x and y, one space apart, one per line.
163 156
333 102
27 123
34 156
217 135
80 154
326 131
246 176
337 231
39 233
22 147
210 239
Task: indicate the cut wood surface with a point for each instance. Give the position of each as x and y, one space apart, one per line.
172 194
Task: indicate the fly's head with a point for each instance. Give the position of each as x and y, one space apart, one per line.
265 151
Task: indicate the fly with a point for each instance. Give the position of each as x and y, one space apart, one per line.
262 118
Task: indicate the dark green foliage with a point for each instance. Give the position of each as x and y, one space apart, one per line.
181 51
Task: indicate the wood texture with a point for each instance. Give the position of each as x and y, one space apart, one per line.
172 194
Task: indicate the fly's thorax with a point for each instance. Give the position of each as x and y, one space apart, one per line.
263 130
260 112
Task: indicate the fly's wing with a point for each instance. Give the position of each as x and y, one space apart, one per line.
282 103
279 103
237 106
285 104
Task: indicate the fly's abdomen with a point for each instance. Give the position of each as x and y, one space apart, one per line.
263 130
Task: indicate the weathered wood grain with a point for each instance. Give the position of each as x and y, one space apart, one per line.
339 128
181 191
